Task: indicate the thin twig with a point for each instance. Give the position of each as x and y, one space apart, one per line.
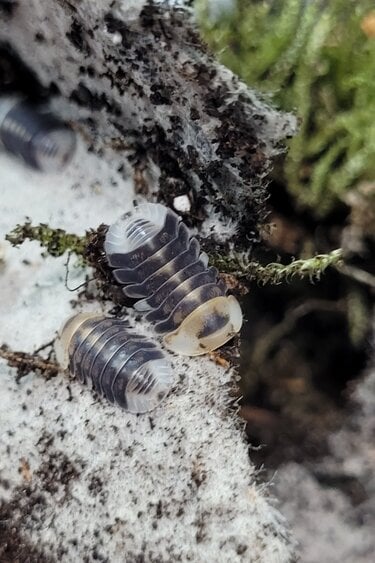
26 363
359 275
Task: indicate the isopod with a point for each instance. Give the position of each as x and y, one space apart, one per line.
157 260
128 369
35 135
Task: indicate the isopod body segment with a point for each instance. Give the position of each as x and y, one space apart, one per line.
35 135
158 261
128 369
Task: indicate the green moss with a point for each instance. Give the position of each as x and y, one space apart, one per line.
55 241
275 273
89 249
312 58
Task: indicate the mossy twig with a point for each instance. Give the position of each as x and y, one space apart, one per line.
58 241
26 363
55 241
275 273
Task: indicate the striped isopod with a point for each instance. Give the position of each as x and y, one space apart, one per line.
35 135
155 257
128 369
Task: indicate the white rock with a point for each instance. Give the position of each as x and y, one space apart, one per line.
182 203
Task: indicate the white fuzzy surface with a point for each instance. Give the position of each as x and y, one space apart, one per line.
80 480
173 485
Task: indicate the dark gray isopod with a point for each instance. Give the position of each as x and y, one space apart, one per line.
156 259
8 5
36 136
128 369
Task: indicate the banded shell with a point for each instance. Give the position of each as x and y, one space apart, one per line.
157 260
128 369
35 135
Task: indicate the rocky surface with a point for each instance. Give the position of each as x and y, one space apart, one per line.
79 479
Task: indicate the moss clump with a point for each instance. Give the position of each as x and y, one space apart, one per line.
318 59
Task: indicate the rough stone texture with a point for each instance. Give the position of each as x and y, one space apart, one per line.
79 479
145 85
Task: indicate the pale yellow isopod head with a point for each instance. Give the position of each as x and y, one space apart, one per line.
208 327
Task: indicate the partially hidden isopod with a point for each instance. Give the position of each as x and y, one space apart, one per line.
35 135
157 260
128 369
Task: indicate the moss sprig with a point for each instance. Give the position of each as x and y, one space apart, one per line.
275 273
55 241
89 248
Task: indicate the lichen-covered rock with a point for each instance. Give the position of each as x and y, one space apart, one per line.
146 85
79 479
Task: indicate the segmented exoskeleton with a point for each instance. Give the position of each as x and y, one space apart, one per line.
157 260
35 135
128 369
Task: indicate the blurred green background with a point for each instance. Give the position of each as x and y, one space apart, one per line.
305 344
317 59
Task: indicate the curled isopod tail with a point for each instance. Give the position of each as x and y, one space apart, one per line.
206 328
149 385
35 135
157 259
126 368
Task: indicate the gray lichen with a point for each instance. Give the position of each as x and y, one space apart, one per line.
149 87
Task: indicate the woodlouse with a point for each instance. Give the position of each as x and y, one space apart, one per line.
128 369
156 258
35 135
